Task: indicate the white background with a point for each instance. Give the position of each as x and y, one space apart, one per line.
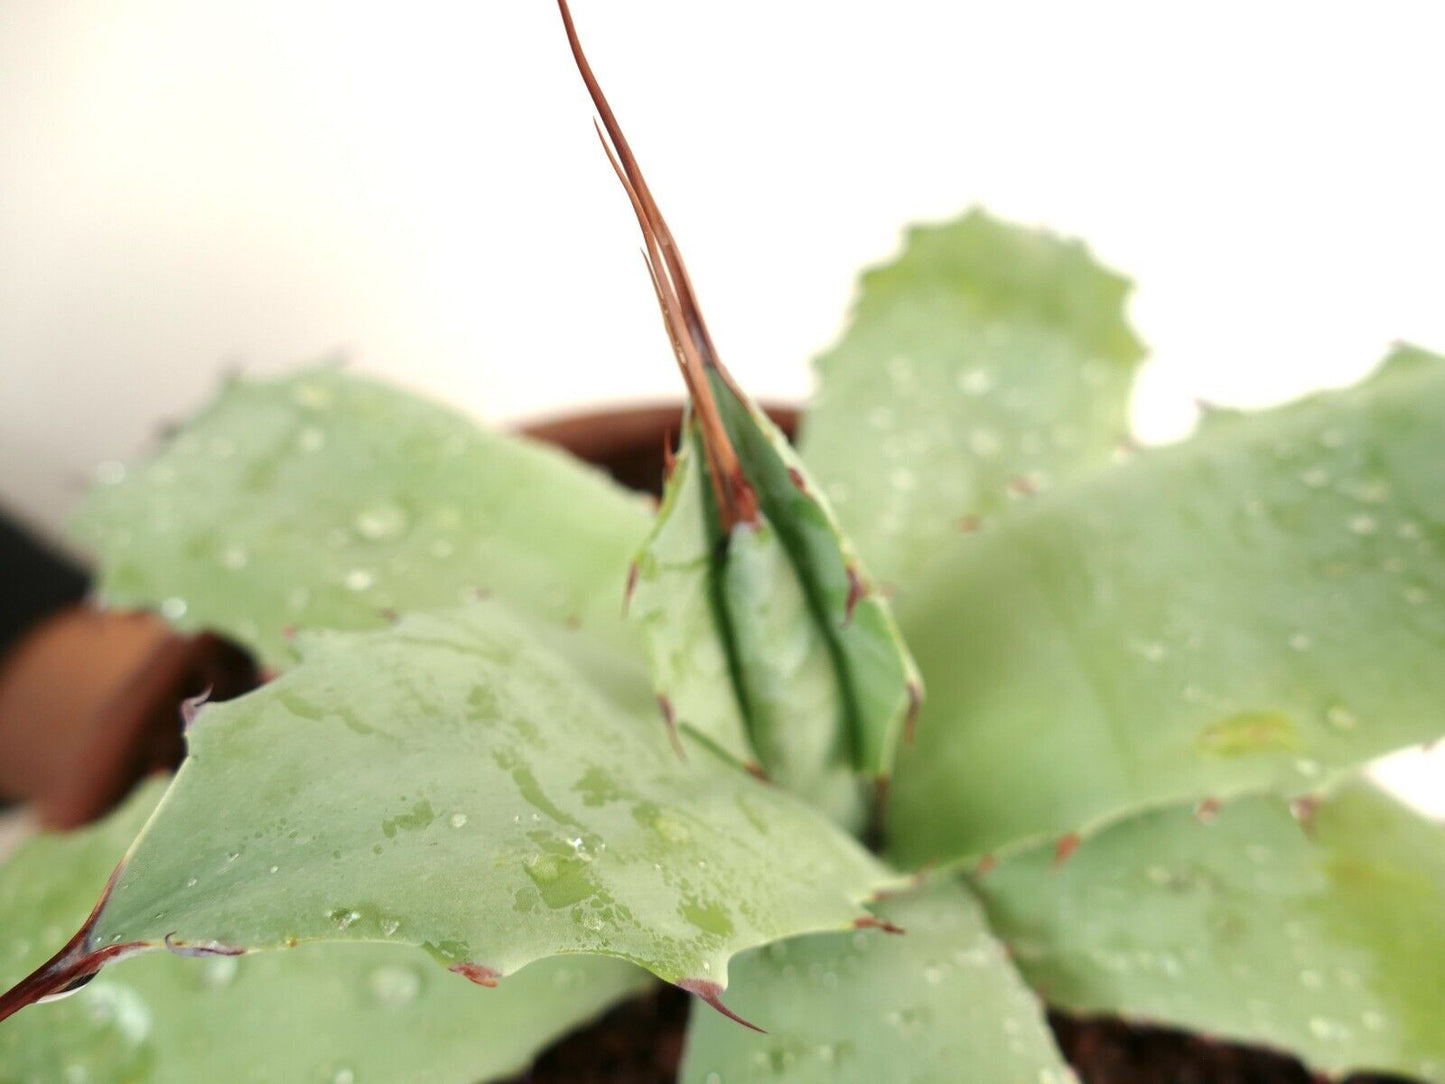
187 187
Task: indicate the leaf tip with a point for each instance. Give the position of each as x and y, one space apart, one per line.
857 589
1023 485
873 922
630 588
1066 845
1303 808
70 968
191 707
477 973
711 993
669 717
915 705
205 948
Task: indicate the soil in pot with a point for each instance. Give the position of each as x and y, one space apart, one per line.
641 1043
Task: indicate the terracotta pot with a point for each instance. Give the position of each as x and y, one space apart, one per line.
88 705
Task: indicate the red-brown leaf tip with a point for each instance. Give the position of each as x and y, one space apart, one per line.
631 587
205 948
1304 808
873 922
477 973
191 706
670 718
856 591
1065 846
710 992
915 705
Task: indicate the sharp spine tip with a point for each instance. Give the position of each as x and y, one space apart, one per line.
873 922
1067 844
857 591
915 705
710 993
477 973
191 706
669 716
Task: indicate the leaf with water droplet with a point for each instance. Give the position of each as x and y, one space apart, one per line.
341 498
761 637
161 1019
1195 623
869 1006
1330 944
515 720
986 352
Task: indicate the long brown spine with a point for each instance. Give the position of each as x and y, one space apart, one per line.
682 317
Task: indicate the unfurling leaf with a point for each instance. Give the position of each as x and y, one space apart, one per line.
1325 939
675 604
825 605
880 688
1259 608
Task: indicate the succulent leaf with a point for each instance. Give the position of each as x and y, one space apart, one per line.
680 620
938 1004
325 500
796 710
493 789
754 475
986 359
880 685
738 647
1326 940
376 1012
1259 608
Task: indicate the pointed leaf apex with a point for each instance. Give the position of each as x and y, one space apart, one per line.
710 992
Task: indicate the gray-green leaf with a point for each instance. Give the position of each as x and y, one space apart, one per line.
322 500
986 360
1328 941
797 707
467 782
679 617
880 685
321 1012
938 1004
1259 608
764 638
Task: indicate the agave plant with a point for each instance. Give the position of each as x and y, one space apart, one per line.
606 744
